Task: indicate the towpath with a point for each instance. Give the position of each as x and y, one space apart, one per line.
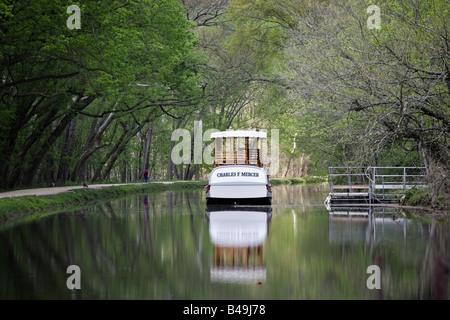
56 190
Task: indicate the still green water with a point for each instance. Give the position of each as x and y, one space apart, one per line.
170 246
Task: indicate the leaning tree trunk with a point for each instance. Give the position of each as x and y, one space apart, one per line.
120 147
98 173
66 152
32 140
148 143
10 136
43 148
91 146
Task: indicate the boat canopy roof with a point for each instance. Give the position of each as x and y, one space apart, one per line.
239 134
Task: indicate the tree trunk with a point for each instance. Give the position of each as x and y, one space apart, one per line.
22 116
33 138
287 166
66 152
120 147
148 143
91 146
169 173
98 172
43 149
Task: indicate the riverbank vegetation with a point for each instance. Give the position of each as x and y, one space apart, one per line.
100 103
302 180
422 197
13 207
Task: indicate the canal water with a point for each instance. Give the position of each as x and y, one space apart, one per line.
169 245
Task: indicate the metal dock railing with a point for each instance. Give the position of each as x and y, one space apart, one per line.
372 184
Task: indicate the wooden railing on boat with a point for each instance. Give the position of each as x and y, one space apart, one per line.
244 156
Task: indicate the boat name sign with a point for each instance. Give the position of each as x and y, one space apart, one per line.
237 174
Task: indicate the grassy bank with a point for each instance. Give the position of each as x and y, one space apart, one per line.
13 207
302 180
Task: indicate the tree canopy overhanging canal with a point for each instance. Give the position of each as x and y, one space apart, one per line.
96 94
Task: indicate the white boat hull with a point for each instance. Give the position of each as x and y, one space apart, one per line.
238 184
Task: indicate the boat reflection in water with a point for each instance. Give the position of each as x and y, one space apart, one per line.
238 234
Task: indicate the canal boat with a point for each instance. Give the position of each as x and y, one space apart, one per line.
238 177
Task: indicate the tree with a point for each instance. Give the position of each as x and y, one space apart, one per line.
388 86
135 56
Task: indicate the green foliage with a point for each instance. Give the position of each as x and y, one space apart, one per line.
294 181
339 93
259 31
418 197
422 197
126 58
12 207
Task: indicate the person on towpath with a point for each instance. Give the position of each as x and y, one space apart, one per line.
146 176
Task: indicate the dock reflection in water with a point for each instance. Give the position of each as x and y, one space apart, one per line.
238 235
170 245
370 224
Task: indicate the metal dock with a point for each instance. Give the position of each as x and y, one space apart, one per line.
372 184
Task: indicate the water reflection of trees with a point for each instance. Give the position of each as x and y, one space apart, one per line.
304 195
156 246
381 229
123 249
